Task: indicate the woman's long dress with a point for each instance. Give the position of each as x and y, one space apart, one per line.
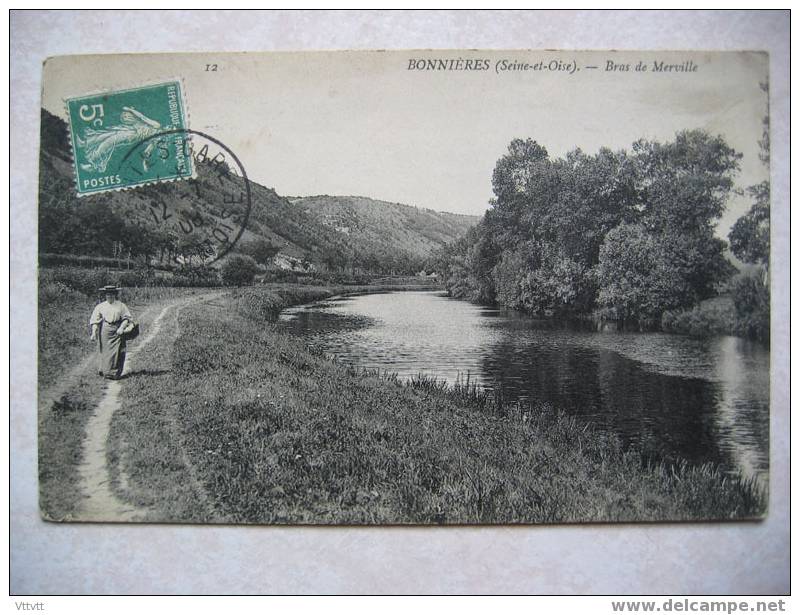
110 346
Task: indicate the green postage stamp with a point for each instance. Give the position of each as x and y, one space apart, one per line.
127 138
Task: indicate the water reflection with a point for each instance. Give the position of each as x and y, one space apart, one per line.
703 400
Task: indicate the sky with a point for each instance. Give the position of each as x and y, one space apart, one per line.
363 123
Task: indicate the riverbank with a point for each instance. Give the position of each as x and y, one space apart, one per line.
236 421
69 389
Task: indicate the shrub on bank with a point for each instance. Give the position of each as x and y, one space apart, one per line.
751 298
744 312
204 277
87 281
136 278
262 304
258 304
714 317
239 270
53 291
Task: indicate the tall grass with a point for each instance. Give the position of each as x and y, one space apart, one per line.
265 303
88 280
701 487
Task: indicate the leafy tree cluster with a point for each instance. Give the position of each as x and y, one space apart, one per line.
628 233
93 228
260 250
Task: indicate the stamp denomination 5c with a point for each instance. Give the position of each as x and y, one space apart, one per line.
104 126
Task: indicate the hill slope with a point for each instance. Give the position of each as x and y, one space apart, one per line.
379 225
368 239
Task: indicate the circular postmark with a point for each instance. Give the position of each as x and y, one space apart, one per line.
200 210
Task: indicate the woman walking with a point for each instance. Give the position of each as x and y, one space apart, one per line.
109 322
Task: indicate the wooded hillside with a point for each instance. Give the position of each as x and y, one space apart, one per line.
328 233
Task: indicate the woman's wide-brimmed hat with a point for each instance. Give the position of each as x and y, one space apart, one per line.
109 288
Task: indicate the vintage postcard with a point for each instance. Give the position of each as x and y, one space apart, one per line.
406 287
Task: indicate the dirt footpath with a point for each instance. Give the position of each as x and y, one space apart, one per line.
99 502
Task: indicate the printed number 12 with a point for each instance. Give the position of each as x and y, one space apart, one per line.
211 68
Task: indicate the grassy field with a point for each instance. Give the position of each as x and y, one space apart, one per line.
69 387
236 421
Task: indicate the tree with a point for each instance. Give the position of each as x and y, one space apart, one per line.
472 277
559 284
637 279
238 270
260 249
510 280
751 299
750 241
514 173
192 245
749 236
684 184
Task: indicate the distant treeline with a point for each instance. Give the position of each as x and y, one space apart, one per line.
624 236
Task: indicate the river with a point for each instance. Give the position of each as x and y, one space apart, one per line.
703 400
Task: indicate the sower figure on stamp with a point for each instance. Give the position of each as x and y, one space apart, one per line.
109 323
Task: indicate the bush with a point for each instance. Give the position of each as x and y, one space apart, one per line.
136 278
198 276
258 304
239 270
260 249
85 281
751 298
54 292
745 312
706 319
279 275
